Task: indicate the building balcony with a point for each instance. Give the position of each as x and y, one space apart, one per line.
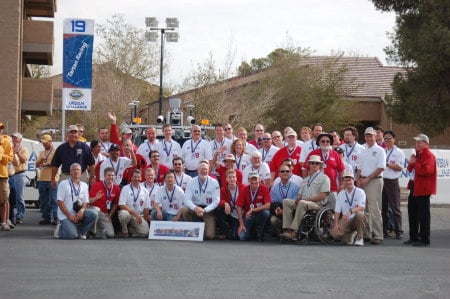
40 8
37 96
38 42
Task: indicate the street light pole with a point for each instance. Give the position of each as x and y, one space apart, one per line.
171 24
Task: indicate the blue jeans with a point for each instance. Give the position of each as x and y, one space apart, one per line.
20 184
166 216
69 230
47 199
258 221
12 197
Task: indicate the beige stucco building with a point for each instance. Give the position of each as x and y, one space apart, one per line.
25 41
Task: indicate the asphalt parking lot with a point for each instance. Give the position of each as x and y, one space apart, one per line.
34 265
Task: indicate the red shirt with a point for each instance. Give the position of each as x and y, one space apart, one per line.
245 198
334 165
225 195
159 175
222 171
425 177
114 138
111 194
282 154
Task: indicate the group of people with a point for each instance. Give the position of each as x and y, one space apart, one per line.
239 188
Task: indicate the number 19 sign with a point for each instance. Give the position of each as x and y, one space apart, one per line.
77 64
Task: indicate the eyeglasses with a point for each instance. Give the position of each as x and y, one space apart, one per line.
284 171
387 138
196 131
324 141
292 136
177 164
276 136
227 129
265 139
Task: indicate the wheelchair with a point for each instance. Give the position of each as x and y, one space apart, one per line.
317 224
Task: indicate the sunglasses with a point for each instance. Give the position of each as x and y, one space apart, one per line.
265 139
387 138
284 171
177 164
324 141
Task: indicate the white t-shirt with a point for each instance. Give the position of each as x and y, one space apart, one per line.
182 180
134 198
346 201
194 152
170 201
394 156
370 159
69 193
268 155
119 167
352 153
168 150
307 147
145 148
215 145
263 170
105 146
206 194
148 204
250 148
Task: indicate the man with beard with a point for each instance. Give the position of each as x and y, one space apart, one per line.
352 149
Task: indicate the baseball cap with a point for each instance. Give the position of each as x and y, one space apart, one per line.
369 131
114 147
72 128
229 157
253 175
422 137
17 135
348 174
126 131
291 133
46 138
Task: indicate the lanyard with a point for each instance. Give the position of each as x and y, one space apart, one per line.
192 146
312 144
49 152
253 195
181 182
74 190
264 155
149 146
116 170
312 178
105 147
108 191
216 146
149 191
350 203
290 152
233 197
388 155
351 151
200 185
238 162
165 148
135 198
281 187
170 198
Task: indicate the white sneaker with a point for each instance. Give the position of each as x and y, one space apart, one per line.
56 232
5 227
359 242
10 224
82 237
352 238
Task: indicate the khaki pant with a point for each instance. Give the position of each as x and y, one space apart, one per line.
130 225
357 223
208 218
291 220
374 227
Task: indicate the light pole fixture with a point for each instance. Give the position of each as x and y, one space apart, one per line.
133 105
171 37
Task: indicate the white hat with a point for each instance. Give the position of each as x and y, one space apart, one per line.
422 137
17 135
348 174
291 133
369 131
253 175
315 158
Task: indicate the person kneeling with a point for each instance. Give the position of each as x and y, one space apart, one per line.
72 198
253 206
350 203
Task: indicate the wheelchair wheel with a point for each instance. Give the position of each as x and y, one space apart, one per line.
306 229
324 225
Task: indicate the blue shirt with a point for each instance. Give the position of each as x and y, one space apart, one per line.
65 155
278 192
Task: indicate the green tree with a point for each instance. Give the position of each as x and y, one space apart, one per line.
420 43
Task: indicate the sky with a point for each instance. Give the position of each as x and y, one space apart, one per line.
251 28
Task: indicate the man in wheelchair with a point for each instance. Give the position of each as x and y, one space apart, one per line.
350 204
313 196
